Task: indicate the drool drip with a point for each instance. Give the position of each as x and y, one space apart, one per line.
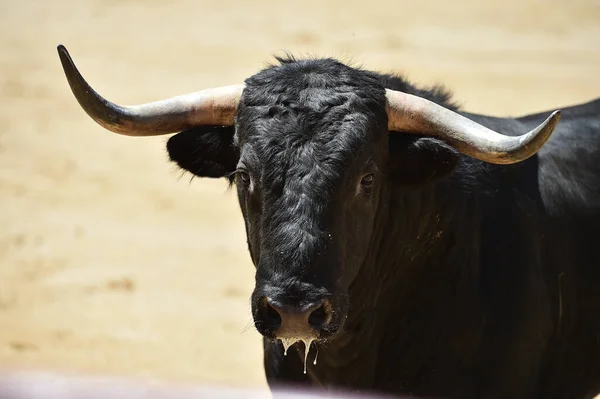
287 342
307 343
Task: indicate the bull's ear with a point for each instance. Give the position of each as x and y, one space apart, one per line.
418 160
205 151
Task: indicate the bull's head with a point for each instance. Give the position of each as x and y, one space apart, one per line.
310 154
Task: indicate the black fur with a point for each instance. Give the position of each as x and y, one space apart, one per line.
449 277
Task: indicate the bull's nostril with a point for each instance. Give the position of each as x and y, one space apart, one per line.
319 317
270 316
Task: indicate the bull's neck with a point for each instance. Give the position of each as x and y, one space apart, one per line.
410 276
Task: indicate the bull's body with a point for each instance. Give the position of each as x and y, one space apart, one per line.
416 269
503 294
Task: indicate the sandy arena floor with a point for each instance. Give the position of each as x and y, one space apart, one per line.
111 261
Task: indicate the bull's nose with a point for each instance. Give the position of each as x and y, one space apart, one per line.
287 321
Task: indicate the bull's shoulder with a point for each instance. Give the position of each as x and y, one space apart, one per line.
569 164
589 110
566 171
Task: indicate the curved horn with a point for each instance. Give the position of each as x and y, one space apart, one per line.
215 106
412 114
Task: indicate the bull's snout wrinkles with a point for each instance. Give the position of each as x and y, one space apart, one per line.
294 322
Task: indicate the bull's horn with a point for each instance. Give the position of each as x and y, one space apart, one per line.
215 106
412 114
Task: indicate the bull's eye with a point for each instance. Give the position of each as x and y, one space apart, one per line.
243 178
366 184
367 181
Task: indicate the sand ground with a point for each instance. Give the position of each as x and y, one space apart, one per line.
111 261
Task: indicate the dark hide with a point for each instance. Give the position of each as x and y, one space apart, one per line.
449 277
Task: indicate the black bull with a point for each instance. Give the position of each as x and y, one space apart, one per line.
410 266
